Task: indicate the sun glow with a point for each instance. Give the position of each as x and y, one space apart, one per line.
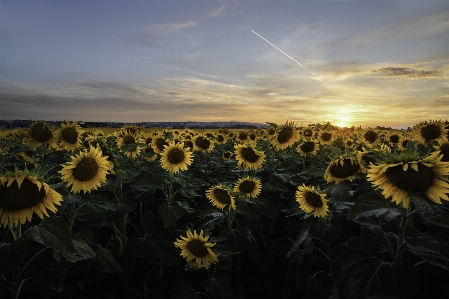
342 125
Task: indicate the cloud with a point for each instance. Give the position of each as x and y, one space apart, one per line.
406 72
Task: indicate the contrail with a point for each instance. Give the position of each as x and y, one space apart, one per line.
286 55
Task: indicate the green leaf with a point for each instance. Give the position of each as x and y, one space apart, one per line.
426 207
170 214
105 262
82 250
155 249
372 204
361 275
12 254
268 207
52 233
219 287
440 220
223 250
341 192
237 238
434 252
184 290
272 125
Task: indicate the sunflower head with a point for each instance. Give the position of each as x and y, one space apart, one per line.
40 133
86 171
286 136
69 136
249 157
227 155
131 140
308 148
220 196
371 137
250 187
443 147
421 174
21 194
311 200
430 131
326 137
195 249
203 143
343 168
175 157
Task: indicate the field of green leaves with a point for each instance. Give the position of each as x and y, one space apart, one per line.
278 212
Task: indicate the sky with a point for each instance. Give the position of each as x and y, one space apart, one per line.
362 63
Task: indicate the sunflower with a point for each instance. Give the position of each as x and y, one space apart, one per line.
86 170
249 186
430 131
311 200
286 136
21 194
175 157
220 138
308 132
149 154
40 133
249 157
421 175
242 136
69 136
326 137
393 138
307 148
202 143
158 144
195 247
371 137
443 147
126 139
349 142
220 196
227 155
343 168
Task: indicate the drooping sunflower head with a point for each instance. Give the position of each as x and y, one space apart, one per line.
429 131
249 157
40 133
308 148
311 200
343 168
220 196
250 187
175 157
202 143
195 248
69 136
286 136
21 194
86 171
426 175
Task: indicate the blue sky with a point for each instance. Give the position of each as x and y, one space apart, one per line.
378 62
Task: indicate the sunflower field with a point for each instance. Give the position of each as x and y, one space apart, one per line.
279 212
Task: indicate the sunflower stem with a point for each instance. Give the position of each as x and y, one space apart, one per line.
125 258
390 247
401 238
16 272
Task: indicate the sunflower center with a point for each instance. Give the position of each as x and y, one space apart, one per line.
176 156
202 143
148 140
148 149
368 159
348 143
41 133
445 151
419 180
249 155
128 139
307 132
247 186
308 146
160 143
370 136
314 199
220 138
197 248
227 155
285 135
222 196
14 199
85 170
346 170
271 131
70 135
430 132
394 138
189 144
252 136
326 136
242 136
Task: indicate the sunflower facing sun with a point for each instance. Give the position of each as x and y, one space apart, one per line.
195 247
220 196
311 200
249 157
86 171
21 194
248 186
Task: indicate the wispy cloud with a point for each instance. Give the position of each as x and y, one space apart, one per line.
406 72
